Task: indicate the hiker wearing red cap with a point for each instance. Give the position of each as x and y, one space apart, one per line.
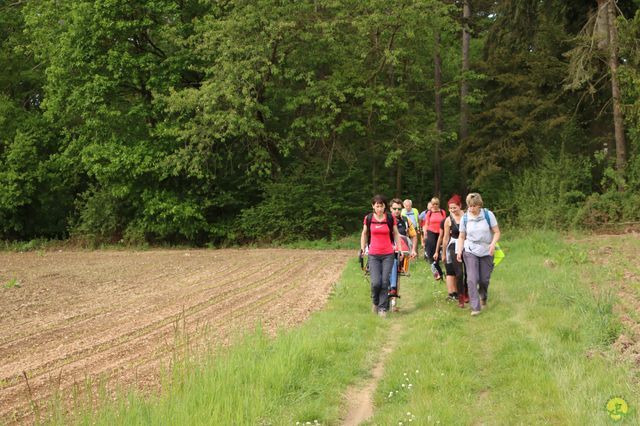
453 267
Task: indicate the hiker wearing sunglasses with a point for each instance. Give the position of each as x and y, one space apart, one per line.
406 227
479 234
380 237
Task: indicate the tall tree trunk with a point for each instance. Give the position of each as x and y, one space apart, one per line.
618 117
437 166
464 90
399 178
372 154
464 87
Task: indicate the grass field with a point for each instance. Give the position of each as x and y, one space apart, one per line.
541 353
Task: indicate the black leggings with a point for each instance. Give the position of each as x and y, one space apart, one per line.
432 241
455 268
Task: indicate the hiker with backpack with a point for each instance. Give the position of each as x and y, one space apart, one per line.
406 226
431 232
381 237
454 269
410 214
479 234
421 216
408 246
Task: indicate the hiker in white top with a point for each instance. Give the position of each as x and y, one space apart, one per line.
479 234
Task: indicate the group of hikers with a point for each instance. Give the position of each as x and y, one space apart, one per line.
465 242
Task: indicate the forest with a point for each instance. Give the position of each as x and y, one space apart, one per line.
225 122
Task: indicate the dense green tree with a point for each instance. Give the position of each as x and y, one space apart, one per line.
233 121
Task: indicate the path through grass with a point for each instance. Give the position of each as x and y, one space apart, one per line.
540 354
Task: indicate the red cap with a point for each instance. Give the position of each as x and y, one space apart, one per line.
455 199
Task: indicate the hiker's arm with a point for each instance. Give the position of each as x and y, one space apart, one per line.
414 246
396 238
460 248
363 238
438 244
445 238
494 240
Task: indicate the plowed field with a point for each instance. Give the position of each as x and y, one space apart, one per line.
119 316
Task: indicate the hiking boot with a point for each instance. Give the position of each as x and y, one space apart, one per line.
484 302
382 313
466 298
393 292
475 313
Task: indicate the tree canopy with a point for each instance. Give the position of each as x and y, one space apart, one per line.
232 121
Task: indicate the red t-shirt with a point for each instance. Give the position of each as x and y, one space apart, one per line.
380 240
432 220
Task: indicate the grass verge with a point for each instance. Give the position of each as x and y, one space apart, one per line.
539 354
297 377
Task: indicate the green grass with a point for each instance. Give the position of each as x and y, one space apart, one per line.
12 283
351 242
540 354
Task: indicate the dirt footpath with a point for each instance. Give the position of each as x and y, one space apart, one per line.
120 315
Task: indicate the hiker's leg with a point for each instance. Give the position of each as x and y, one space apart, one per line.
457 271
393 282
432 240
451 278
375 272
472 264
485 270
387 266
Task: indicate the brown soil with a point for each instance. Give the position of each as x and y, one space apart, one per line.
618 255
121 316
360 398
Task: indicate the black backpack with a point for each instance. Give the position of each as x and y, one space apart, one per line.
389 224
402 226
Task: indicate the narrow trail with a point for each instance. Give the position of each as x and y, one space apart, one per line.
360 398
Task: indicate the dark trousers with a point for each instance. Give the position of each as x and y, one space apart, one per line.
380 270
454 268
478 275
432 241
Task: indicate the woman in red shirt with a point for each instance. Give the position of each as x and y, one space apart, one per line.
431 232
380 235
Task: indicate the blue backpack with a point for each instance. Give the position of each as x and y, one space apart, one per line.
486 217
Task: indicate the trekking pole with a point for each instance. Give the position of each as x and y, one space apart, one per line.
362 265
